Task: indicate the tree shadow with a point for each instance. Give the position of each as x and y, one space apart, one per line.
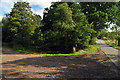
81 66
11 52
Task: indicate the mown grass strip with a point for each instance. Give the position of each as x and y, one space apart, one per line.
91 49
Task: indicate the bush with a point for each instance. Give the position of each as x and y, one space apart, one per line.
102 34
93 40
112 35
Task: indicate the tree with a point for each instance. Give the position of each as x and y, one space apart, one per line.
37 36
97 13
6 30
69 26
21 23
83 29
60 17
63 21
115 17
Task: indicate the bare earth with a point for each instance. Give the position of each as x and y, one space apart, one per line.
94 65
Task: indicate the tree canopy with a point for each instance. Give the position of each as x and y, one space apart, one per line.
64 25
97 13
20 23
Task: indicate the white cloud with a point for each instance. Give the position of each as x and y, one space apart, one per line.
6 5
42 4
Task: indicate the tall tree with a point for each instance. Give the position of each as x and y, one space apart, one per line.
63 21
22 23
59 20
37 36
97 13
5 30
67 24
115 17
83 29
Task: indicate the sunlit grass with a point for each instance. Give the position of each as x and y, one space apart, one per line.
112 44
91 49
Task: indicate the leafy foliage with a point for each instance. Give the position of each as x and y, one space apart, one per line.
103 34
65 27
83 29
97 13
59 24
69 26
20 24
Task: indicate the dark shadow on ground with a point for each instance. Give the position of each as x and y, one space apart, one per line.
9 51
61 67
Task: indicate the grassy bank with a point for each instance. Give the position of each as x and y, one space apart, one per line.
112 44
91 49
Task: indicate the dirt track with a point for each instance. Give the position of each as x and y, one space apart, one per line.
95 65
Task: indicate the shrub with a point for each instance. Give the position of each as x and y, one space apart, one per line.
112 35
93 40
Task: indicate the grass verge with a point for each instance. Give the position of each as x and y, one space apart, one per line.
112 44
91 49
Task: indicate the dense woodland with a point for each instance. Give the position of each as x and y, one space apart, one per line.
64 27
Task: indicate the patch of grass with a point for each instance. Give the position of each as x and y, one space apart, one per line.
112 44
91 49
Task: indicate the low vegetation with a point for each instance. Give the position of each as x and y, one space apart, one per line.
112 44
90 49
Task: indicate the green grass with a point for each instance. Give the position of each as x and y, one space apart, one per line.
91 49
112 44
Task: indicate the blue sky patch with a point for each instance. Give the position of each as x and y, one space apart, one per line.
3 12
36 7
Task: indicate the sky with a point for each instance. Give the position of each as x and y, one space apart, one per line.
37 6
